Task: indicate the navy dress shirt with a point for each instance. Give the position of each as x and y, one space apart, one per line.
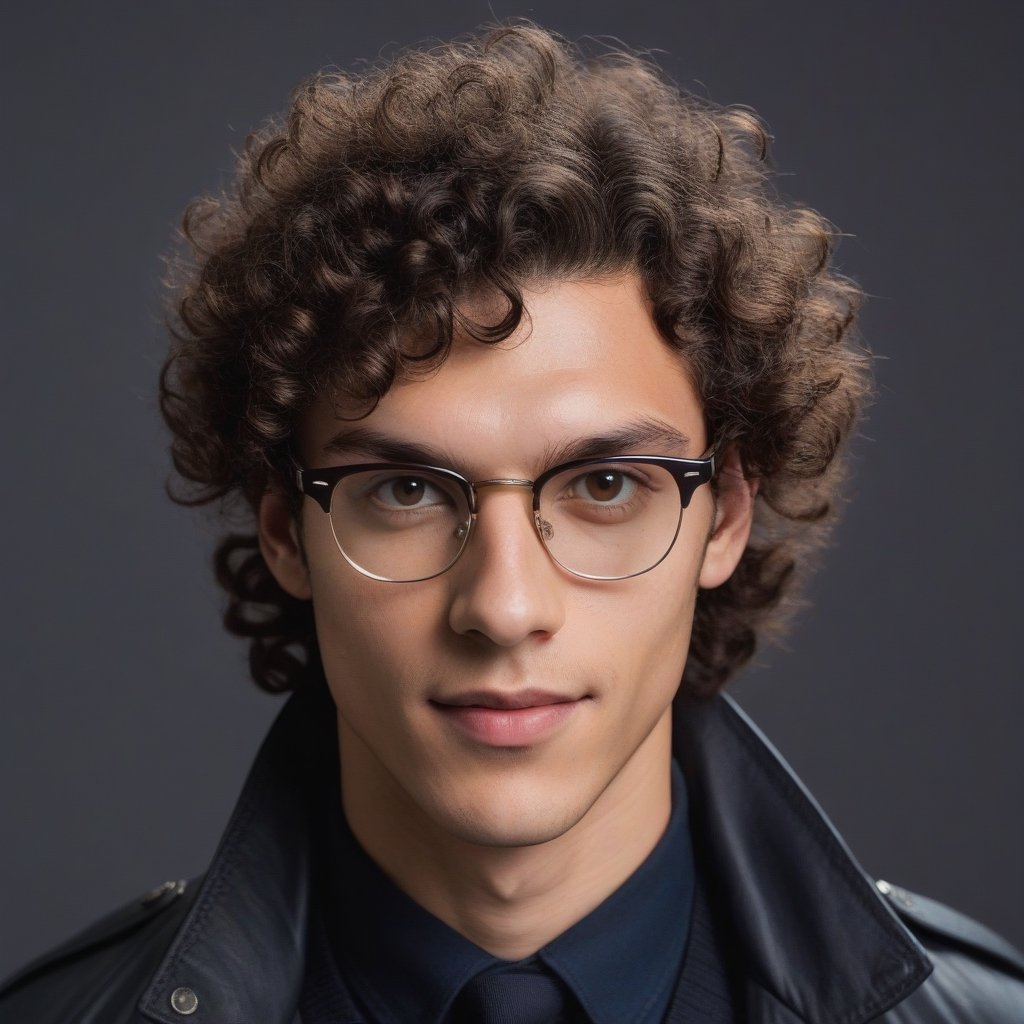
375 955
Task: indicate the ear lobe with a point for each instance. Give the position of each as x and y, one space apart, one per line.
279 545
734 515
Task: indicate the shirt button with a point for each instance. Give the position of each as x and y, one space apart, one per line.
184 1001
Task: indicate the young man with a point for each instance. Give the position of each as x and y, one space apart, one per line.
536 396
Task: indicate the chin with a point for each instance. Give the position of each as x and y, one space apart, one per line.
509 836
513 819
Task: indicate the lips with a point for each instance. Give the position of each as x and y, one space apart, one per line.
507 701
517 719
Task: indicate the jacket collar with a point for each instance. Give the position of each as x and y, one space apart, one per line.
812 937
816 940
241 949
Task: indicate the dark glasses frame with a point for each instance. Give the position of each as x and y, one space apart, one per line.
689 474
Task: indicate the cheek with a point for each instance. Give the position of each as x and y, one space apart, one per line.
656 624
350 610
372 635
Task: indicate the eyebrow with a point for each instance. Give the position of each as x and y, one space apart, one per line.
627 438
363 441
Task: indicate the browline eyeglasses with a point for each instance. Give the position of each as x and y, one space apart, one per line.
600 519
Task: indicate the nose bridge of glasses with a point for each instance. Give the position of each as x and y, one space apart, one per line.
498 482
512 483
503 483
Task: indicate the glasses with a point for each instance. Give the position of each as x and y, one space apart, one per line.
601 519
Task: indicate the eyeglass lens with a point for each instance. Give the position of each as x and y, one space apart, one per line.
604 521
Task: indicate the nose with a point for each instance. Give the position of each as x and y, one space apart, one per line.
506 588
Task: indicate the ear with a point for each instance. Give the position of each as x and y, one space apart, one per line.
734 514
280 547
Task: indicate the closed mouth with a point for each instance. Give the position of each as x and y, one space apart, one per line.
501 701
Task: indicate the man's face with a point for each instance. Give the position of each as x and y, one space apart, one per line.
505 618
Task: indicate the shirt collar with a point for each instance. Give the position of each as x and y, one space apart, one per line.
405 964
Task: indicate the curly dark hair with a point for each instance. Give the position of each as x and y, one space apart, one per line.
334 263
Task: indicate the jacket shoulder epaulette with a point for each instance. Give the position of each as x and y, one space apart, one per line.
146 921
949 925
977 975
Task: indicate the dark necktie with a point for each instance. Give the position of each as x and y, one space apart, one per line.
522 993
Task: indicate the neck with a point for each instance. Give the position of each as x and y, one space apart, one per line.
511 900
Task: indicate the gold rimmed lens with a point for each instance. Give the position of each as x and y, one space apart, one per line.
602 520
400 525
609 520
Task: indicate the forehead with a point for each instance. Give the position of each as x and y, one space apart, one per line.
587 359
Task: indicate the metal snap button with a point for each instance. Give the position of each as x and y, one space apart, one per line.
184 1001
153 895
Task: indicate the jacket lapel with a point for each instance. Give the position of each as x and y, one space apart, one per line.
241 950
812 938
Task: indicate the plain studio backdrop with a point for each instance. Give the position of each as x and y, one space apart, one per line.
128 720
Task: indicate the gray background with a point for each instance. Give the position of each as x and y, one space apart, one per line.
127 718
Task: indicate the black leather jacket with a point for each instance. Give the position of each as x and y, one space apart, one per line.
810 938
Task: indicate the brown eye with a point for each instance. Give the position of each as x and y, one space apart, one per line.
407 490
606 485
